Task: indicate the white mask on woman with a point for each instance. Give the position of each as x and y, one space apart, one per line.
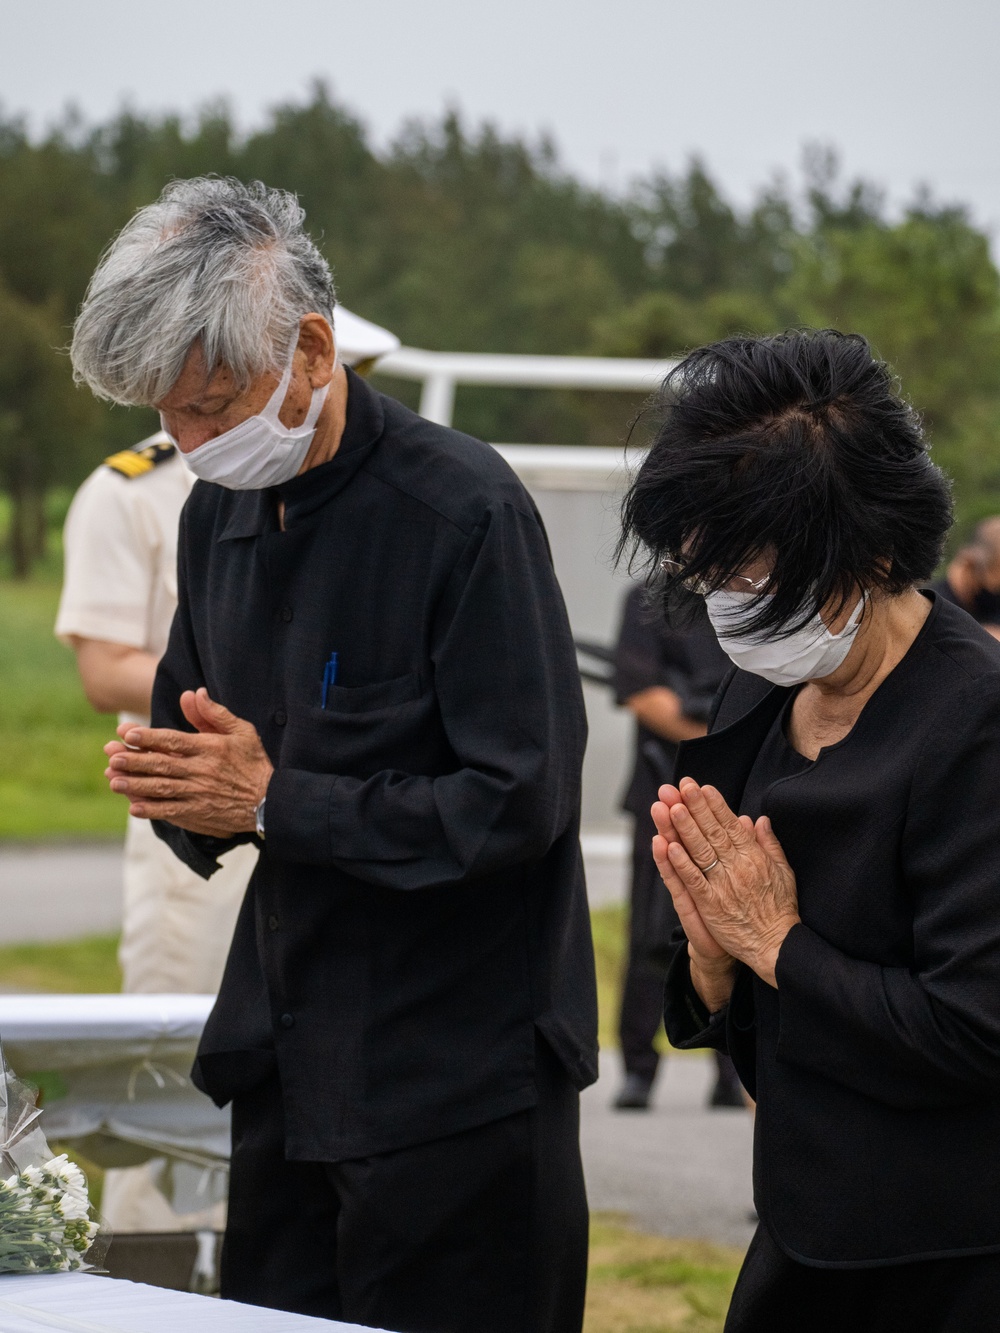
260 451
809 653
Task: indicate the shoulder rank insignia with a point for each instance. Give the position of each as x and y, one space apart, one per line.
140 460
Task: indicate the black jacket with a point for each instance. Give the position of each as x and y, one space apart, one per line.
876 1062
419 907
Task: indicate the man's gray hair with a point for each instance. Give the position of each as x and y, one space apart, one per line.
213 259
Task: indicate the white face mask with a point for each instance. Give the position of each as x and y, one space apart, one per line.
810 653
260 451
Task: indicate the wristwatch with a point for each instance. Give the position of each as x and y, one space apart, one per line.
258 819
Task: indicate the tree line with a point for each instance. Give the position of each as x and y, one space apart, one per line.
460 238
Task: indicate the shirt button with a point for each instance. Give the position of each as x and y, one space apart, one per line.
281 717
272 923
287 1021
286 614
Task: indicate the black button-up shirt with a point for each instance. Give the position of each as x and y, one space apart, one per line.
419 906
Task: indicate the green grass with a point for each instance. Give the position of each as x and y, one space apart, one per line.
73 967
51 761
91 965
609 925
649 1284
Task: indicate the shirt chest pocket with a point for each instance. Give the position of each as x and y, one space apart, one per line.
362 729
359 699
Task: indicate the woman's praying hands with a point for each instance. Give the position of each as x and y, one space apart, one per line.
732 887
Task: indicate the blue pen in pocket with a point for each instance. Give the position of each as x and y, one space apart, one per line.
329 678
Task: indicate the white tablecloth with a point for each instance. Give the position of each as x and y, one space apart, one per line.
82 1303
114 1070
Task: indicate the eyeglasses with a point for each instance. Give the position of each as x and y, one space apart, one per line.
738 583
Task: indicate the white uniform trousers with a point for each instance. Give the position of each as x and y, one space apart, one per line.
176 932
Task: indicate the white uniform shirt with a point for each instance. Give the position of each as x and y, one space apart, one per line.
121 555
121 587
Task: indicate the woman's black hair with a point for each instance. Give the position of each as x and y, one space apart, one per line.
797 449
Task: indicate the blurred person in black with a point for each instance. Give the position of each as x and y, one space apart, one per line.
832 844
666 675
972 580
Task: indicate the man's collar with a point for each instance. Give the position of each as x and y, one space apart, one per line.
252 513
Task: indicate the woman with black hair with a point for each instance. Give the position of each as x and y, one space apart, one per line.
833 845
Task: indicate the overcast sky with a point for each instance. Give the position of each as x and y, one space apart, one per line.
907 90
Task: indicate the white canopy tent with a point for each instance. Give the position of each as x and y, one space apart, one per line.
358 340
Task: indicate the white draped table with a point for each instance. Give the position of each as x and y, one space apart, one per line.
115 1077
82 1303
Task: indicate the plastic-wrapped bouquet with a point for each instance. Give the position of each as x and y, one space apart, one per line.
46 1221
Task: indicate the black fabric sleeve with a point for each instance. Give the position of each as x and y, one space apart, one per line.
929 1035
688 1023
644 648
179 670
509 695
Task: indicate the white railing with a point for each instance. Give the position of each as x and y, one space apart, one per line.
441 372
572 467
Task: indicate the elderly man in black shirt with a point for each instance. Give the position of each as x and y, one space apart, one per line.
370 673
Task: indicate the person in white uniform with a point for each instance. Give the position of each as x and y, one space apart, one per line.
118 600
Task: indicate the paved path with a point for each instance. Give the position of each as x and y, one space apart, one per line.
60 891
678 1169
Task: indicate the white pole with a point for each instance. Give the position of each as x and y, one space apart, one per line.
437 400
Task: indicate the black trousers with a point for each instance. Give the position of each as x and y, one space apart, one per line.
641 1015
652 921
481 1232
774 1294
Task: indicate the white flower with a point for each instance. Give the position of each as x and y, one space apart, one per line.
72 1207
45 1222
